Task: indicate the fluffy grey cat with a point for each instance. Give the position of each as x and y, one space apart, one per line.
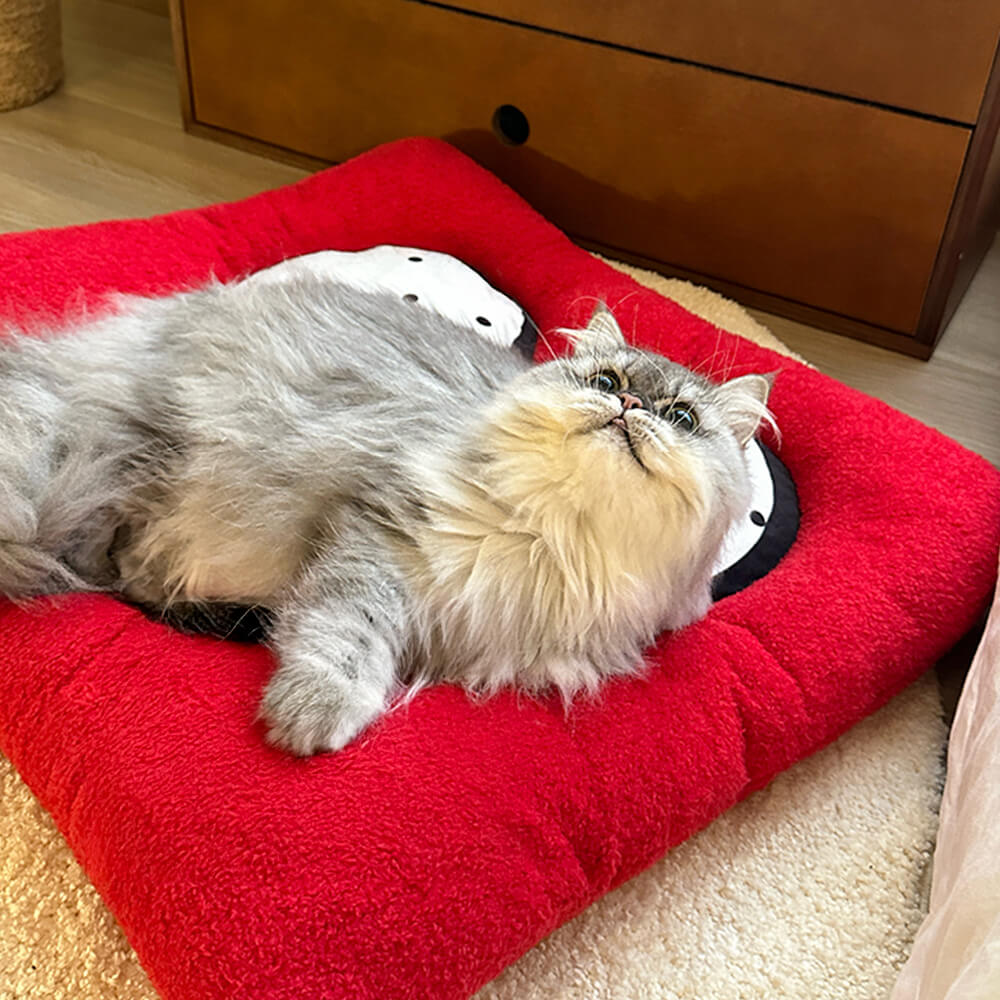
410 502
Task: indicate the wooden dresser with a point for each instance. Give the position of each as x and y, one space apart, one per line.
831 160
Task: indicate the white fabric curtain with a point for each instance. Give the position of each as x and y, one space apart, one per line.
956 953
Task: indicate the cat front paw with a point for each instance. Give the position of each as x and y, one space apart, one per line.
309 708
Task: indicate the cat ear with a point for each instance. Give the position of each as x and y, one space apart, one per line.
600 336
744 404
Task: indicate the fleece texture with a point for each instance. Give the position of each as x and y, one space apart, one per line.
811 887
422 860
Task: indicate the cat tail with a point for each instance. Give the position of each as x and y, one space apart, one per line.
27 571
68 440
62 466
45 545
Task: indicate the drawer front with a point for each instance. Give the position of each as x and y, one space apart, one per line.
814 199
931 56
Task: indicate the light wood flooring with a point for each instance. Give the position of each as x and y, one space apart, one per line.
109 144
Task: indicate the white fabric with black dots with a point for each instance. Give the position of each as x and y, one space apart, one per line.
422 278
747 531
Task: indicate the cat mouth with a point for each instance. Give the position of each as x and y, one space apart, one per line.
619 423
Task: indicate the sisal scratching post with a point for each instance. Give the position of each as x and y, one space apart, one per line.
30 51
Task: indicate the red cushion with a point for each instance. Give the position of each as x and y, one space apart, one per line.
422 860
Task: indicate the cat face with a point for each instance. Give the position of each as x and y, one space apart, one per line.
585 512
613 420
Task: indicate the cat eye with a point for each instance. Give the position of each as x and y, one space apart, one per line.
605 381
681 415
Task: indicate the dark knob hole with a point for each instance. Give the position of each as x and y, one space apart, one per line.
510 125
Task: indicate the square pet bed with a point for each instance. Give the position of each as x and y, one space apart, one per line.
421 860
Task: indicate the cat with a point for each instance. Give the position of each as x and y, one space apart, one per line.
409 502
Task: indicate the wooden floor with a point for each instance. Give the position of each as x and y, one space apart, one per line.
109 144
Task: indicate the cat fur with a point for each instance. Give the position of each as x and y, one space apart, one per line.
410 502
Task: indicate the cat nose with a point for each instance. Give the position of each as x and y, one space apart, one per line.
630 402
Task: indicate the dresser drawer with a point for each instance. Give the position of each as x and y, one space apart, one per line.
931 56
812 199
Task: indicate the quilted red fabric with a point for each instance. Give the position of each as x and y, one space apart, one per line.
421 861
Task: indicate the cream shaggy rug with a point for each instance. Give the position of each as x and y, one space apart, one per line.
812 888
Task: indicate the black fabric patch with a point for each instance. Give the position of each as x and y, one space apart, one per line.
779 533
527 339
236 622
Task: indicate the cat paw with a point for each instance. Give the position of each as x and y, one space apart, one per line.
309 711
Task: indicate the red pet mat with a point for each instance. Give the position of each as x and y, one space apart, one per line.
422 860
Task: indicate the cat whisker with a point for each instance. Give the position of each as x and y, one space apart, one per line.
253 608
587 298
546 343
